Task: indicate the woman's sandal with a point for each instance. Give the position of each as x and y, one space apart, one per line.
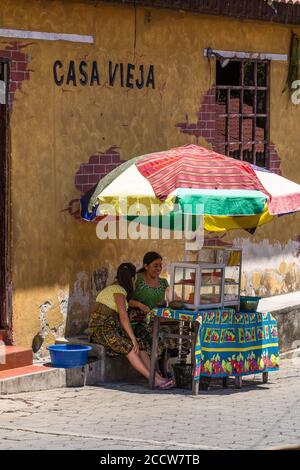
166 385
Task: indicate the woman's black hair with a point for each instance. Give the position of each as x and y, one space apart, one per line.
125 273
148 259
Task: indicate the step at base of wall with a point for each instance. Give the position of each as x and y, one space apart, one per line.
31 379
12 357
10 373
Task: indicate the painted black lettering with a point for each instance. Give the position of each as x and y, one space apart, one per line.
130 77
95 74
59 81
140 83
112 73
122 74
71 73
83 73
150 79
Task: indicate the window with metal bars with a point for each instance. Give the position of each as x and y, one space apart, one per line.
242 114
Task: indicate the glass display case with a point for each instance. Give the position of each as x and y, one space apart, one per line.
232 257
198 285
208 278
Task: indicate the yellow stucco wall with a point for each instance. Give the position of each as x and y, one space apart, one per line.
55 129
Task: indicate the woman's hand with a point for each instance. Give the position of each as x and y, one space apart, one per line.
136 347
144 308
139 305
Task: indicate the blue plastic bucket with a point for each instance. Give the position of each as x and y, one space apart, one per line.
68 355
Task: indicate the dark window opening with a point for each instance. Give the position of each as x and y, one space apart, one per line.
229 75
242 110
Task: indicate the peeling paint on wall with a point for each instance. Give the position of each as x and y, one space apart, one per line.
52 317
47 329
63 299
99 280
269 269
82 299
79 302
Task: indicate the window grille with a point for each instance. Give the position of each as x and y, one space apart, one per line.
242 111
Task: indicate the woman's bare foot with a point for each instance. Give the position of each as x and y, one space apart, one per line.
159 380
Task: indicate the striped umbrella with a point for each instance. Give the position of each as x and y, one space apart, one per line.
157 188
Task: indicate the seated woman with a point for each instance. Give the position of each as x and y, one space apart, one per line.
150 288
150 291
109 324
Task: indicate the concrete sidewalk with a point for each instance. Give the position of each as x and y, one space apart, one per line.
125 416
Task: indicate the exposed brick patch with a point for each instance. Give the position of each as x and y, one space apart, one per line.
210 125
18 64
99 165
88 175
206 122
274 160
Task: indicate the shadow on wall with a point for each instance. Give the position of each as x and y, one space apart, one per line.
82 300
68 314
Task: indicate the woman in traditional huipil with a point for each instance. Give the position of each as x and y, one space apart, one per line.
151 291
109 324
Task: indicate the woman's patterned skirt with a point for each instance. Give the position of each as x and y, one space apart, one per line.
105 329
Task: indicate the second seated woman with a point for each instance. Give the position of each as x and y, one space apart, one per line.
150 291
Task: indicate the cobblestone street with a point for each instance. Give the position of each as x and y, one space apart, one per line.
260 416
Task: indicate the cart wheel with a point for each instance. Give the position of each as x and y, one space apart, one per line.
225 382
238 382
265 377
